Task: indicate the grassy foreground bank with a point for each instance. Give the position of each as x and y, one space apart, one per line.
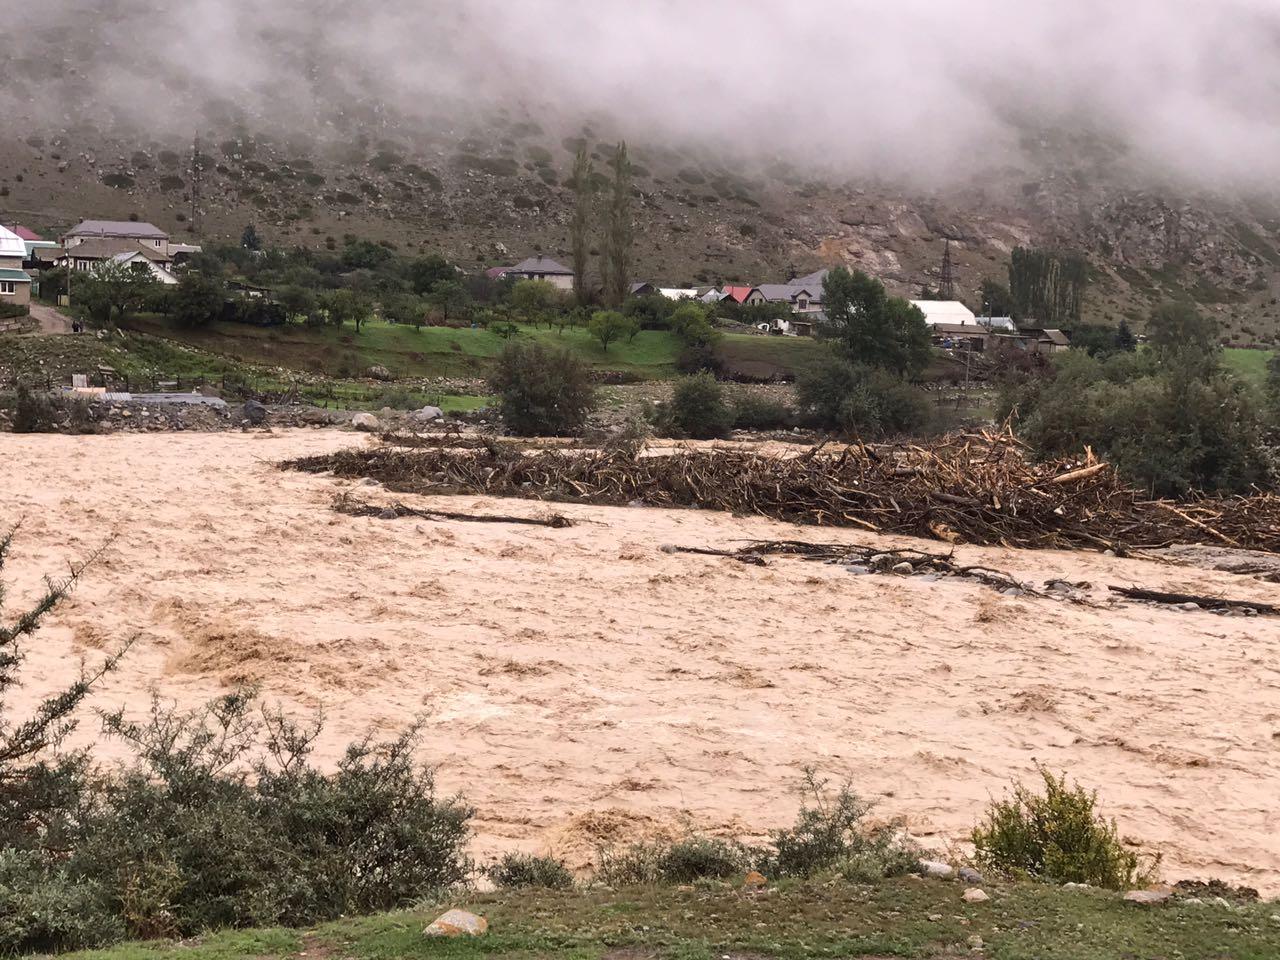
898 918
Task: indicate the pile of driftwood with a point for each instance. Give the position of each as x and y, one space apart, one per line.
855 557
980 489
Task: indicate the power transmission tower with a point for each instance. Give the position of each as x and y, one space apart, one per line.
947 284
197 187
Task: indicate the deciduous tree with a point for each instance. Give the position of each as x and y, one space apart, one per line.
873 328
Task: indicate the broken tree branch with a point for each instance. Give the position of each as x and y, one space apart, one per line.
1208 603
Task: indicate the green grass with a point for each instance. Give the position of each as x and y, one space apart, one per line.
794 920
144 362
411 353
1250 365
444 352
766 357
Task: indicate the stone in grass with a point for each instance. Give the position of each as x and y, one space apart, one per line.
975 895
1148 897
426 415
457 923
970 876
937 869
366 422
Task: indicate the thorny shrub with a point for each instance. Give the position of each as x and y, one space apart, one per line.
518 870
831 835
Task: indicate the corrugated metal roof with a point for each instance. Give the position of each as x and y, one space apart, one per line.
117 228
14 276
777 292
815 279
108 247
12 245
541 265
944 311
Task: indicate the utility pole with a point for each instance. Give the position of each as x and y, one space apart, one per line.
947 285
197 186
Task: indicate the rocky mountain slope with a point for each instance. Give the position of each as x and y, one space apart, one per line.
498 192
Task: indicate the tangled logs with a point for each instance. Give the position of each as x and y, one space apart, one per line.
978 489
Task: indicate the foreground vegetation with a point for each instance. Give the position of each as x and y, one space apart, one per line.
802 918
144 363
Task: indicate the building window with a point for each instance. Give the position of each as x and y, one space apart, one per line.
8 286
802 303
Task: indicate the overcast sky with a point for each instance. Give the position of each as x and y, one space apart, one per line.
867 87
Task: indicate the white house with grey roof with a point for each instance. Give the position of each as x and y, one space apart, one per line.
15 283
542 268
801 298
147 234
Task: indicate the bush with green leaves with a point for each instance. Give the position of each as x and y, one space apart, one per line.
38 411
860 401
519 870
1058 836
690 321
831 833
752 411
699 358
682 861
609 326
197 300
697 410
542 391
1172 421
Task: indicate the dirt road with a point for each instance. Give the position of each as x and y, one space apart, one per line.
51 320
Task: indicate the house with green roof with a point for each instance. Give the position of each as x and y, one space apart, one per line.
15 284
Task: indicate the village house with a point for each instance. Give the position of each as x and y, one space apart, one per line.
737 294
34 243
799 298
1046 340
643 289
542 268
950 312
816 280
85 255
144 234
15 283
678 293
250 291
1032 340
1005 324
960 336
